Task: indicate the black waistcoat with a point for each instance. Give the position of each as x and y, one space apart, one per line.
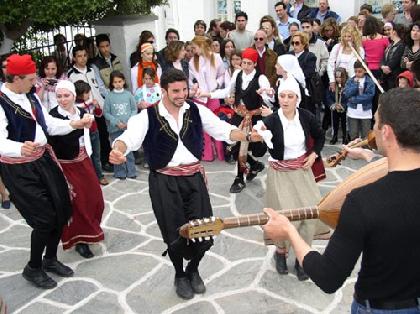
249 96
161 141
67 146
21 126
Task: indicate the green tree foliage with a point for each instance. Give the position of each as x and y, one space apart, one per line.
48 14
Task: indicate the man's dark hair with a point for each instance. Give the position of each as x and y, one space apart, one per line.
307 20
213 23
366 7
102 37
227 26
171 30
282 4
400 109
293 24
78 48
172 76
358 65
44 64
241 13
81 88
11 77
116 74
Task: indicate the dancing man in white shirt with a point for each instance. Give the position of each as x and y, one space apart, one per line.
172 137
30 169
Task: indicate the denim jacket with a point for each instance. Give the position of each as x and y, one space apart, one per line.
351 93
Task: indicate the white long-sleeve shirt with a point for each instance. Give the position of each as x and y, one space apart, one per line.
338 59
246 79
55 126
138 126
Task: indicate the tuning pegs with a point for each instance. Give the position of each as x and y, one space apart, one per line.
207 238
200 239
193 240
206 220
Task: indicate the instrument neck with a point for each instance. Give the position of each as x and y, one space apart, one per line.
262 218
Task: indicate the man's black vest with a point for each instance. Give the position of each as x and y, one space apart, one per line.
21 126
161 141
249 96
67 146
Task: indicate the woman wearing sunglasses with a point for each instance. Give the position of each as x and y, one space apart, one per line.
307 62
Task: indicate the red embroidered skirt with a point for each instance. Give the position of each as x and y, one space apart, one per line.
88 204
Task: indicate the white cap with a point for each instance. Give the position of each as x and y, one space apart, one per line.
65 84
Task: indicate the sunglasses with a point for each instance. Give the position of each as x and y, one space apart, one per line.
295 43
258 39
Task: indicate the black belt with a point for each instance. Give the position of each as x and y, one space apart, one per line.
388 304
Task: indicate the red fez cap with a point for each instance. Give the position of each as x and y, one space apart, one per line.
251 54
20 65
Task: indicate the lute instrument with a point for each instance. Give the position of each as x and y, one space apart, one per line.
336 159
327 210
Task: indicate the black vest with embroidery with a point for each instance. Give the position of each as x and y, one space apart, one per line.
161 141
67 146
249 96
21 126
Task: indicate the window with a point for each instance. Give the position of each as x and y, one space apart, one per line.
226 9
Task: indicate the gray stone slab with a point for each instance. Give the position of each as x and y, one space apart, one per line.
233 249
146 218
16 236
289 287
128 186
119 241
72 292
256 303
110 194
209 265
347 298
41 307
16 292
134 203
154 230
248 233
3 223
121 221
248 202
199 307
244 275
156 247
101 303
12 213
117 272
156 294
13 260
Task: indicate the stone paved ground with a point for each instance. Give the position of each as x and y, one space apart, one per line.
129 275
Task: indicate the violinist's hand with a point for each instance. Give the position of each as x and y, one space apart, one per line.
359 153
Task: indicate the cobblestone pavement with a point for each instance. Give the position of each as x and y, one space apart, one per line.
129 275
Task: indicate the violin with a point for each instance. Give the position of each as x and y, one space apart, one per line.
336 159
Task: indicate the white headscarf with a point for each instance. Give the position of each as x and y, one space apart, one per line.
290 84
291 65
66 85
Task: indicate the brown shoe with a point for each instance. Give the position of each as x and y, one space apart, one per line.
103 181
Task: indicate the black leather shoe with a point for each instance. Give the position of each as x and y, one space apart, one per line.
56 267
237 186
38 277
183 288
300 273
281 264
197 283
84 250
334 140
259 166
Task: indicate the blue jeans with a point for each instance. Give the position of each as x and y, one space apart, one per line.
127 169
357 308
96 154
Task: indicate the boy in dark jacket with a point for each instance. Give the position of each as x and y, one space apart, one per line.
358 94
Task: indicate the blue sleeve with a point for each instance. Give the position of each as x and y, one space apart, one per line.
107 111
367 95
350 89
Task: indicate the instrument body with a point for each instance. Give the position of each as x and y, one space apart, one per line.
328 209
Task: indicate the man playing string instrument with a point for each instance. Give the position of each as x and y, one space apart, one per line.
380 220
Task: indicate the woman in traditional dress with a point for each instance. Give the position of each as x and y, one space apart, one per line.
72 151
297 141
